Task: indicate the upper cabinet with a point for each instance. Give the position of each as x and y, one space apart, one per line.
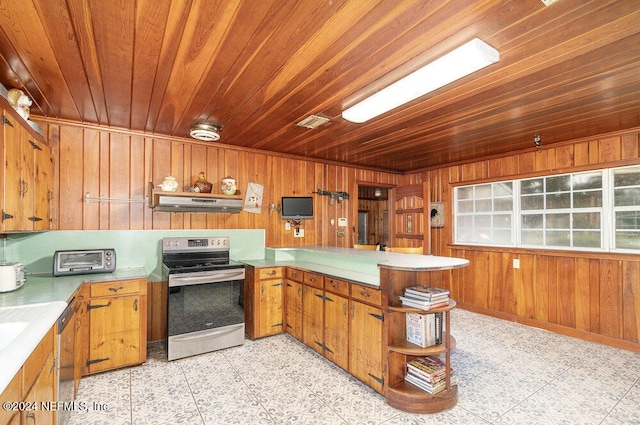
26 176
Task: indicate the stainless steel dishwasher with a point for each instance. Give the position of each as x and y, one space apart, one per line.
66 355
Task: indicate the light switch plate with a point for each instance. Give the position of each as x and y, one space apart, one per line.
298 233
342 222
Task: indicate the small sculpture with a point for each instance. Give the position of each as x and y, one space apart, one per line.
20 102
201 184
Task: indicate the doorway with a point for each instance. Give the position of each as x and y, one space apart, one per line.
373 215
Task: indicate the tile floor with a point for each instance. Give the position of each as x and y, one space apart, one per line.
508 374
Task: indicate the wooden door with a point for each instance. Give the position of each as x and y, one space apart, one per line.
411 217
271 307
336 329
312 317
114 332
293 309
365 344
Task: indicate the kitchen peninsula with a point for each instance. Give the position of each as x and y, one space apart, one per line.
344 304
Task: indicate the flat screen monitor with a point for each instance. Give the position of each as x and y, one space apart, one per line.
297 207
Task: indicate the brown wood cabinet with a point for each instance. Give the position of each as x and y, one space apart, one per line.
336 329
340 320
264 301
27 176
117 330
293 303
312 317
365 336
33 384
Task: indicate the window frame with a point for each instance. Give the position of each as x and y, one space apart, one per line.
607 212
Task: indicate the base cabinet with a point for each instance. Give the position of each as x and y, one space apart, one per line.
365 344
341 320
293 308
117 313
264 301
34 384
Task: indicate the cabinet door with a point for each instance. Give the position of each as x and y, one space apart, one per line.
293 309
43 175
312 309
365 344
41 394
336 329
14 186
270 310
114 332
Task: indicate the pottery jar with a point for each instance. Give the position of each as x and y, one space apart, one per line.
228 186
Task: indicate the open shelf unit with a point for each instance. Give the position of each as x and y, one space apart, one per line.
399 393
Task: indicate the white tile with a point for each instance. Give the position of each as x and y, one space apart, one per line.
508 374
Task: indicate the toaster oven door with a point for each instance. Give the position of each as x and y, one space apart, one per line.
78 262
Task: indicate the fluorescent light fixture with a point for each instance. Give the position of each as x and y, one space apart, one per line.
465 60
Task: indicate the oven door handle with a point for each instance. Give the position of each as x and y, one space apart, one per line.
174 280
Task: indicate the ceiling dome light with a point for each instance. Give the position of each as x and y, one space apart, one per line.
205 132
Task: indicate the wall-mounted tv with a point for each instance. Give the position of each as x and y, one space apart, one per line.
297 207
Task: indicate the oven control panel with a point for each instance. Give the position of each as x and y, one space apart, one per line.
217 243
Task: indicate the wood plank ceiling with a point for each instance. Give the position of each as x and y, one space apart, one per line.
256 68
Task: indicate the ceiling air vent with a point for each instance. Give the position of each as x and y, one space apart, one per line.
313 121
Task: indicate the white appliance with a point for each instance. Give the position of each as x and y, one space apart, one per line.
11 276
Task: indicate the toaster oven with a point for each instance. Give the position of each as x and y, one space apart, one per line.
84 261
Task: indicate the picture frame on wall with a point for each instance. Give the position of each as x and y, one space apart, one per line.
437 214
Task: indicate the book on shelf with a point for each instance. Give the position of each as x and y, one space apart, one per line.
430 365
423 305
430 388
427 293
429 373
424 330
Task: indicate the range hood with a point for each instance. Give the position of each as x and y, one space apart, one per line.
197 203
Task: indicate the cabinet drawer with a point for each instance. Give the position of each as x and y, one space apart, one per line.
269 273
36 361
314 279
366 294
116 287
336 286
294 274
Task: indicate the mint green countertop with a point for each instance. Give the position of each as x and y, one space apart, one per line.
46 288
353 264
27 314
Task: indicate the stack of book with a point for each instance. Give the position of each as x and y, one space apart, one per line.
429 374
424 330
425 297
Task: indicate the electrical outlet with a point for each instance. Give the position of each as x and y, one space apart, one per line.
287 226
516 263
298 233
340 233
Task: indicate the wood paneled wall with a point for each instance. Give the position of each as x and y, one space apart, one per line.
588 295
109 163
377 222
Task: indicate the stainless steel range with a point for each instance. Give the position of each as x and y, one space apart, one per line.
206 296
